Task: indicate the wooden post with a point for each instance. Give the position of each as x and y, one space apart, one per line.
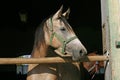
111 33
105 36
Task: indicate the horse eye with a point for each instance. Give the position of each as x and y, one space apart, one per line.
62 29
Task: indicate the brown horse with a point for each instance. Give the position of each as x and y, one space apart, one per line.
55 32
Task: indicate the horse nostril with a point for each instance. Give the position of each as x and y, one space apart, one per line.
81 52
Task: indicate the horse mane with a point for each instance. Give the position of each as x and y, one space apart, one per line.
39 38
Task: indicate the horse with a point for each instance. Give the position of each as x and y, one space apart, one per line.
53 33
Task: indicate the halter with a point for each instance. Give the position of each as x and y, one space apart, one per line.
95 66
60 38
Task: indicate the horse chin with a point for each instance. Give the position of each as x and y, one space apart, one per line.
77 58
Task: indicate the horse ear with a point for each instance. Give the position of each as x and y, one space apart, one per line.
58 13
66 14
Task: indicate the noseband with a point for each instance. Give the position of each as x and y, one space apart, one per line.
60 38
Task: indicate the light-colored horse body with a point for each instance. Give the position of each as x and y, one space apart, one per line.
55 33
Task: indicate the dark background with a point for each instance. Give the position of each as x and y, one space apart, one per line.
16 37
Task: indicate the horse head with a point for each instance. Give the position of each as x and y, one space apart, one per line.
61 34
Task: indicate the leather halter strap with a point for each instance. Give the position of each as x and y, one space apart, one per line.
60 38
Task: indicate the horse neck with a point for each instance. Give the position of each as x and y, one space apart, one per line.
40 47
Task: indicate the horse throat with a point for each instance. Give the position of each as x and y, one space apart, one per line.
43 51
39 51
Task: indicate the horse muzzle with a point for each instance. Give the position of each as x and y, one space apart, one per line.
78 54
76 49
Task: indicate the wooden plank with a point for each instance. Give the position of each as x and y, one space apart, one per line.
49 60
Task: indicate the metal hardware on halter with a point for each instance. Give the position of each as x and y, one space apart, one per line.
60 38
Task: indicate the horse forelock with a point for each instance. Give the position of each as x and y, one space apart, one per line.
62 19
68 26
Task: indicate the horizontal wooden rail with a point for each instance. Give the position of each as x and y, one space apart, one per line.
49 60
